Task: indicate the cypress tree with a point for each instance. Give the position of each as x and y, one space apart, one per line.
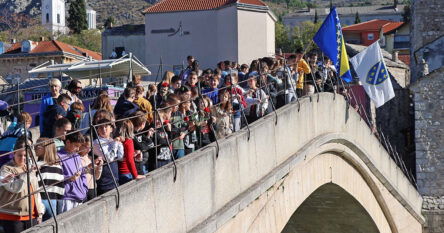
357 18
77 16
316 17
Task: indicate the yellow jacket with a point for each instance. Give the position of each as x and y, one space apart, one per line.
303 68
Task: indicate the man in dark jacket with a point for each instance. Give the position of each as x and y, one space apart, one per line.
54 113
125 106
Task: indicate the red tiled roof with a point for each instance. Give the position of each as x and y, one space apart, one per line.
164 6
389 27
405 59
54 46
372 25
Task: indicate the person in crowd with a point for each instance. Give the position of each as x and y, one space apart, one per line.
222 113
302 68
167 76
101 102
143 143
184 74
127 166
73 90
111 151
213 92
14 216
76 187
75 114
87 165
188 118
52 176
178 129
135 81
49 99
175 84
161 136
54 113
61 127
257 101
161 95
125 106
205 81
243 78
192 80
152 91
143 104
204 121
237 98
12 134
291 77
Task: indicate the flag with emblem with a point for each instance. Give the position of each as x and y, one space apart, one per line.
334 48
373 74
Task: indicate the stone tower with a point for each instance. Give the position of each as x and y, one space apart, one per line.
53 16
427 56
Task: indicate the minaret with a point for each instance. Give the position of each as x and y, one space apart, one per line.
53 16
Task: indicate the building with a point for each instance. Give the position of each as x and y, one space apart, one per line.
211 31
53 16
346 14
91 17
427 65
128 38
21 57
395 37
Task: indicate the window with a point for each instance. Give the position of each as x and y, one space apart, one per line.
58 18
370 36
47 17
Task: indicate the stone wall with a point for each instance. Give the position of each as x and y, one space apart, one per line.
429 137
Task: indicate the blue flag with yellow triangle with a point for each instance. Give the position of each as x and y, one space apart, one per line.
330 40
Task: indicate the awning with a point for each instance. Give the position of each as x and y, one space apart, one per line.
93 69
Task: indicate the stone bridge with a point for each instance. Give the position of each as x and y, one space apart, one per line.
317 167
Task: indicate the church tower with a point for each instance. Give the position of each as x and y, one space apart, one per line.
53 16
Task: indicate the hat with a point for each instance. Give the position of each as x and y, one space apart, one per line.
3 105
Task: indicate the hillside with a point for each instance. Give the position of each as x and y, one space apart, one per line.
129 11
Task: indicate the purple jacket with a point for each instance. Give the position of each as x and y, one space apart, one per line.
74 190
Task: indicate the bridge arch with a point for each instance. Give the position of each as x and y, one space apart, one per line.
331 209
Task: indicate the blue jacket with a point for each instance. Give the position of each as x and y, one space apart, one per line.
47 101
212 93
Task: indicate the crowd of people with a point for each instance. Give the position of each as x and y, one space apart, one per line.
148 127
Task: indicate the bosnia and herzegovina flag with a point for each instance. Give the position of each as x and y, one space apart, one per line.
330 40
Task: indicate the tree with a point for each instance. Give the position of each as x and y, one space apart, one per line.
109 22
302 36
77 16
88 39
395 3
316 17
12 22
282 38
407 15
357 18
331 4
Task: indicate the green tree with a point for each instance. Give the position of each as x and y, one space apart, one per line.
282 38
77 16
357 18
88 39
302 36
109 22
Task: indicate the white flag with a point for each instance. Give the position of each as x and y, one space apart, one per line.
373 74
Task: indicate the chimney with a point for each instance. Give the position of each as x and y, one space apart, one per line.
395 56
13 41
42 38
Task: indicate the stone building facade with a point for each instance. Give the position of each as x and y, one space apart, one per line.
427 65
